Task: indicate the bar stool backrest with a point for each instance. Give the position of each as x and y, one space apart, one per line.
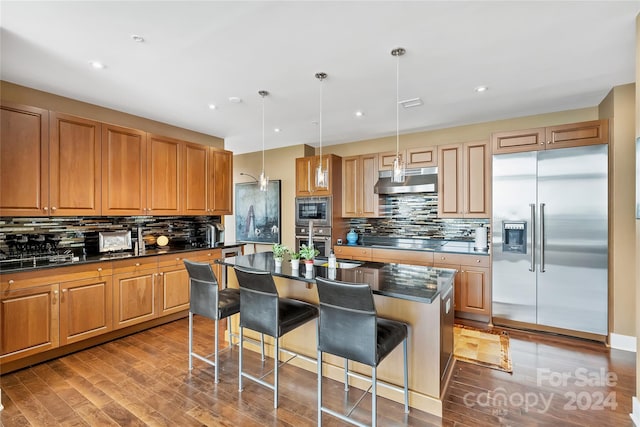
348 321
204 289
258 301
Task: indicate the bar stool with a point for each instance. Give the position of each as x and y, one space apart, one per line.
206 300
262 310
349 327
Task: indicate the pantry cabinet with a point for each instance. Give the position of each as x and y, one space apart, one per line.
24 160
464 180
305 175
548 138
360 174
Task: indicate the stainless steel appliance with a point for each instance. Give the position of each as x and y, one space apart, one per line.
114 241
550 238
321 237
420 180
316 209
214 235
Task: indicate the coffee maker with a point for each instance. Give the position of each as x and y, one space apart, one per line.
214 235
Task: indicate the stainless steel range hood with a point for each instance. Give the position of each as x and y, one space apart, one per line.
422 180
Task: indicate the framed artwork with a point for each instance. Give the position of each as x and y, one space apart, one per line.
258 213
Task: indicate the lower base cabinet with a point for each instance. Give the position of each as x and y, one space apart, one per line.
86 309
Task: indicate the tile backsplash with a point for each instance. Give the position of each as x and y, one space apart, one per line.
415 216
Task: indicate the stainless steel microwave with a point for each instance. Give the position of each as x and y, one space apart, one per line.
316 209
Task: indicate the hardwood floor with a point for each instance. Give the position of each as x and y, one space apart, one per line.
143 379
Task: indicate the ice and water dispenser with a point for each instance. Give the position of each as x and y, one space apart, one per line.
514 237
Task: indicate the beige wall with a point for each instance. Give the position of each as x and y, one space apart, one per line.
619 107
24 95
637 275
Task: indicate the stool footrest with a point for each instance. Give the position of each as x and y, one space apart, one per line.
343 417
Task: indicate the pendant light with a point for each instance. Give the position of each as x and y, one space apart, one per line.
263 181
398 163
321 173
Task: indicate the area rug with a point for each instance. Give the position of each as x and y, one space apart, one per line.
485 348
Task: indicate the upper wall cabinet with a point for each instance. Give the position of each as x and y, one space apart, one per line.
220 170
124 171
164 175
423 157
305 178
464 180
24 160
360 174
48 171
562 136
207 180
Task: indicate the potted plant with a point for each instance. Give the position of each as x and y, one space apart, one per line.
308 253
295 259
278 253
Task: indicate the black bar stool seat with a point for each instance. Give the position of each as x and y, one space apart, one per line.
262 310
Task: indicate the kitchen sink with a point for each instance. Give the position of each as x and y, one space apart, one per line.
339 264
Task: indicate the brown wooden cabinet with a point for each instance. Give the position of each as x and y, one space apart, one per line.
353 252
29 320
124 171
472 283
86 308
220 182
196 188
24 160
164 175
173 284
134 291
417 157
424 258
464 180
360 174
547 138
305 178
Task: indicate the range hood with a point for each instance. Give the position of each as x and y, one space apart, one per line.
422 180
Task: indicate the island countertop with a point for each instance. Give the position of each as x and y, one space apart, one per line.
409 282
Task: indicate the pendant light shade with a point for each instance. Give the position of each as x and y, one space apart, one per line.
263 180
321 173
398 163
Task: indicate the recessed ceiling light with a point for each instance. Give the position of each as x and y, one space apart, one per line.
276 130
212 106
409 103
97 65
359 114
235 99
136 38
481 89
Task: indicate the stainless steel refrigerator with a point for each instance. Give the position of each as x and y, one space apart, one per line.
550 238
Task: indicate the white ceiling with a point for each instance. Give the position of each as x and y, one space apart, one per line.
535 57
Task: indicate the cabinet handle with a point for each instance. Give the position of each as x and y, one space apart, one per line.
178 259
11 282
161 274
45 208
442 257
477 260
64 291
99 268
53 208
55 292
137 264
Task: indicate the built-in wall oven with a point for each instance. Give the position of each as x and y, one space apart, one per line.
321 239
316 209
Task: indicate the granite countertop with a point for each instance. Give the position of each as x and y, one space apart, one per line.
44 262
429 245
410 282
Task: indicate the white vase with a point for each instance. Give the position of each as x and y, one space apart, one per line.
278 262
295 264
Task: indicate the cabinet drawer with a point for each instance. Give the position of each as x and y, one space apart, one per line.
360 253
402 256
173 260
135 264
27 279
460 259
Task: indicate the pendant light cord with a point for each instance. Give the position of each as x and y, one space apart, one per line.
321 81
397 106
263 134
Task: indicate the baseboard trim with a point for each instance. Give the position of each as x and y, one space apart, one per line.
635 415
623 342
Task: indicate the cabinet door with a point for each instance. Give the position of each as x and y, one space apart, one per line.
424 157
24 160
304 175
350 183
28 321
457 282
124 171
477 180
385 160
450 181
475 295
196 184
578 134
164 174
86 309
518 140
221 170
75 169
174 290
368 179
134 298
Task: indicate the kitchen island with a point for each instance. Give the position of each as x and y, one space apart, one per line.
422 297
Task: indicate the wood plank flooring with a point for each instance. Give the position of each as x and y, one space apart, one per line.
143 380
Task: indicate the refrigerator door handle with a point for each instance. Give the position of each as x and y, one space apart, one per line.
542 237
532 267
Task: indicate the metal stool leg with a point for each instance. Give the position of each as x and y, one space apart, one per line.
190 340
374 400
276 362
240 359
319 363
216 352
262 346
346 374
406 378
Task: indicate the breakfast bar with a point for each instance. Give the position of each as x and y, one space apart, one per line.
421 297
